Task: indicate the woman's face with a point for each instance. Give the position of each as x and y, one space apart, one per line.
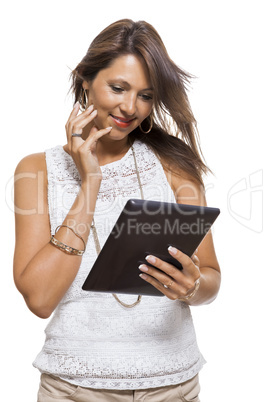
122 95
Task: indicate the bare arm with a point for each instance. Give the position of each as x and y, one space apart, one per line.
43 273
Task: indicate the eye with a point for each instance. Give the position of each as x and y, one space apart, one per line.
116 88
146 97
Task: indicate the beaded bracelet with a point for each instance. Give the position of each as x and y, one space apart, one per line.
63 247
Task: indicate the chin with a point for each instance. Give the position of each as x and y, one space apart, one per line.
117 135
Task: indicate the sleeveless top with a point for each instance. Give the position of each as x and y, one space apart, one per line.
91 340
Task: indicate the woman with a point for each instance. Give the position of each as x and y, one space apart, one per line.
103 347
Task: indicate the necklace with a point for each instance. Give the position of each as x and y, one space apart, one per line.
96 238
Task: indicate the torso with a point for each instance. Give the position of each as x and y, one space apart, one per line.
93 341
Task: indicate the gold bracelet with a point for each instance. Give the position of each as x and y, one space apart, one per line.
191 295
63 247
78 235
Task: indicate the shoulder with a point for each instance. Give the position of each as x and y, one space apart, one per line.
32 163
30 186
30 177
187 189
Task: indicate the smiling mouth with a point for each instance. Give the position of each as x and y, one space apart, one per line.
122 119
121 122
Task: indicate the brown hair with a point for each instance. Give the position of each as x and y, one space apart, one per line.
171 105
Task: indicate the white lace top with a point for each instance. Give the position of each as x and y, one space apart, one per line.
92 340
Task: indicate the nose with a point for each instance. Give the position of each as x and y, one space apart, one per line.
128 106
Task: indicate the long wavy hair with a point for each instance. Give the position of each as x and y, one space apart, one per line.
174 136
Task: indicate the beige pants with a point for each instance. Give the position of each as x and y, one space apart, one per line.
55 389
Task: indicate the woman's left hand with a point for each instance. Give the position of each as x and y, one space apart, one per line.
172 282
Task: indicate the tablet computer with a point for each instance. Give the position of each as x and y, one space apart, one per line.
146 227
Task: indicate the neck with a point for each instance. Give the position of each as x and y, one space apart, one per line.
109 150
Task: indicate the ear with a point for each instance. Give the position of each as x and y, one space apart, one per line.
85 84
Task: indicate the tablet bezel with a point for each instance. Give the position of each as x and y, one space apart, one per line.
128 249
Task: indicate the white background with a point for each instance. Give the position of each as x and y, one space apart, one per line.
224 44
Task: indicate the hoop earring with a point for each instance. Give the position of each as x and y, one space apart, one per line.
84 99
150 128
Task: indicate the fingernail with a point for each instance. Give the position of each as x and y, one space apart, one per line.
143 268
76 104
91 107
172 250
108 128
151 259
143 276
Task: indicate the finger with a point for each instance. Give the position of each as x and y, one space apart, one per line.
167 274
78 119
157 274
75 109
82 120
168 286
185 260
76 125
158 285
74 112
94 136
88 146
184 278
195 260
167 268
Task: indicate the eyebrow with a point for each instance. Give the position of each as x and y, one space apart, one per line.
122 81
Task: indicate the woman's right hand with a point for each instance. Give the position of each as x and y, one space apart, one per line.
82 151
